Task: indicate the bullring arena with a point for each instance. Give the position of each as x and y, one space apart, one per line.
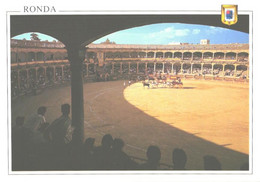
208 115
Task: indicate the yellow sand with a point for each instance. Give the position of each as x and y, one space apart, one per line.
203 118
215 111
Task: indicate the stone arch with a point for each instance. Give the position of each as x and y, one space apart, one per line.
40 56
242 56
219 55
150 55
150 68
187 55
207 55
14 57
134 54
141 68
125 68
141 54
177 55
31 56
22 57
168 55
176 68
159 54
197 55
231 55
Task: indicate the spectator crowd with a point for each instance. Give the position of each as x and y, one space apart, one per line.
40 145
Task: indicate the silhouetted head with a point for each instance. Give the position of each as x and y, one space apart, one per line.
89 143
42 110
245 166
118 144
153 154
19 121
211 163
65 109
179 158
107 141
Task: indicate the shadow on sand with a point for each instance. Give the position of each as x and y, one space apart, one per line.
133 125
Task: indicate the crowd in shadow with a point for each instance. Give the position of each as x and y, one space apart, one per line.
40 146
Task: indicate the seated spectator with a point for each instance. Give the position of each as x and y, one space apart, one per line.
211 163
20 134
59 130
20 144
36 120
179 159
87 161
39 136
121 161
153 158
103 153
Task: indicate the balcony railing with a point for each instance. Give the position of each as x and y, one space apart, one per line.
38 44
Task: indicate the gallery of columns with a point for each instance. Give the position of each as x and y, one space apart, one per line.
76 32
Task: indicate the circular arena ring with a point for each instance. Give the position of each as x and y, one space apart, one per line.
203 118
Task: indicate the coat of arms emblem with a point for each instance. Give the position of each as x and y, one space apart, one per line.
229 14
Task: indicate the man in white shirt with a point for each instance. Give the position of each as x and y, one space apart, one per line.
36 120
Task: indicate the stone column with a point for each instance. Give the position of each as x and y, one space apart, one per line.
18 80
87 69
225 56
121 68
181 68
163 68
235 70
201 65
95 67
137 68
172 68
62 74
191 68
154 66
36 74
27 78
113 68
77 99
54 73
223 73
182 55
45 73
146 68
129 67
101 58
212 70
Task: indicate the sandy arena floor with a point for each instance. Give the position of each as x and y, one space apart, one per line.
203 118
